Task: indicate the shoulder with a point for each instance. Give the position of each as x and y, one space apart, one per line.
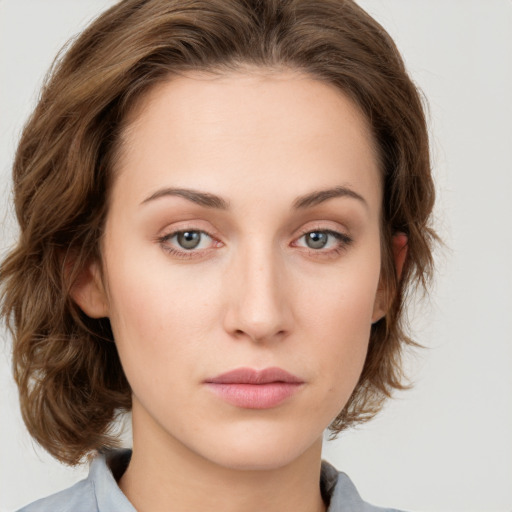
78 498
342 493
99 492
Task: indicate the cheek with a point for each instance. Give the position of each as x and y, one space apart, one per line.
338 320
343 303
159 337
158 317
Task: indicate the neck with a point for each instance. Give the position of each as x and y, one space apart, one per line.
161 474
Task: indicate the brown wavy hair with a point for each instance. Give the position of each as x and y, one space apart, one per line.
70 379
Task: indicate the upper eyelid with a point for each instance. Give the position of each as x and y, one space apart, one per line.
175 232
340 236
170 231
325 229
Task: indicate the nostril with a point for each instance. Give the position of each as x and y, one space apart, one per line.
259 337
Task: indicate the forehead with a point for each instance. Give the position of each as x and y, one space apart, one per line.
265 126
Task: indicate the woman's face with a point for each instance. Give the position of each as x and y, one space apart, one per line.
241 263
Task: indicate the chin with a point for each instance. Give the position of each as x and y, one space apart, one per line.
256 461
262 452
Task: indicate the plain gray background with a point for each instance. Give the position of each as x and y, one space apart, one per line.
446 445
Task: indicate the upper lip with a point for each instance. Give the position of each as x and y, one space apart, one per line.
252 376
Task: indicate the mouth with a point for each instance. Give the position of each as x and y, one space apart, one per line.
255 389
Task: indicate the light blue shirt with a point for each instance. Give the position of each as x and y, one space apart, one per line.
99 492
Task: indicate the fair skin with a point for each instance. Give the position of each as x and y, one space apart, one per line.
266 274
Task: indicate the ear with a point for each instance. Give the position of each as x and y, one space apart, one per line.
88 292
399 247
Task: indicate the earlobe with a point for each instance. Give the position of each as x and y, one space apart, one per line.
89 294
382 299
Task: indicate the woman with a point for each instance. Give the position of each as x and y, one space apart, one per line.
240 197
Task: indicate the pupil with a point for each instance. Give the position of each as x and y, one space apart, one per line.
316 240
189 239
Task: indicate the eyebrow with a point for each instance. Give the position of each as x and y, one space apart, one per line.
315 198
209 200
201 198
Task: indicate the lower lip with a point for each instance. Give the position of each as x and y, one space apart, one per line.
255 396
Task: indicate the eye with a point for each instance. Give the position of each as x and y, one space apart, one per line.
323 239
187 240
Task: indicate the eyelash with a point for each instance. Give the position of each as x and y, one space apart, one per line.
184 253
342 239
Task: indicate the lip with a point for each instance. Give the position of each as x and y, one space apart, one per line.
255 389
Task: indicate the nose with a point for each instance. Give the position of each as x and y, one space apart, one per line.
259 305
